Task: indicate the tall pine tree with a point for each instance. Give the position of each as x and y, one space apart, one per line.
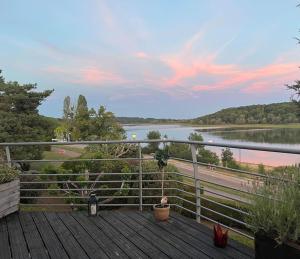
20 120
82 119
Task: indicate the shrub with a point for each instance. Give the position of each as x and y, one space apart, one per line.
276 209
8 174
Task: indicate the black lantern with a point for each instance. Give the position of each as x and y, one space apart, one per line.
93 205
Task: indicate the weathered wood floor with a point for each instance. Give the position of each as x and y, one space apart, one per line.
114 234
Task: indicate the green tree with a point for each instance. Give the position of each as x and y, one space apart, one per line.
82 116
68 118
20 120
179 150
208 157
296 93
152 147
227 159
194 136
296 88
104 125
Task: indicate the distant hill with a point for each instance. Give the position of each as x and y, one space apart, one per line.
138 120
275 113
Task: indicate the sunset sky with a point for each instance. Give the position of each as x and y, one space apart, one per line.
158 58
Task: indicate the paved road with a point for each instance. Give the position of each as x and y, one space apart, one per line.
216 177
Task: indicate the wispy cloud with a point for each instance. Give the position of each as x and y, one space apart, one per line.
91 76
264 79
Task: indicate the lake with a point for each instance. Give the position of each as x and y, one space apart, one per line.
279 137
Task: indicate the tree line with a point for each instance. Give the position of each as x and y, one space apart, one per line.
276 113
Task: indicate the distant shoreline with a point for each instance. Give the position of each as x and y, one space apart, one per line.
223 126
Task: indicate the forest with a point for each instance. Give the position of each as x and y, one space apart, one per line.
276 113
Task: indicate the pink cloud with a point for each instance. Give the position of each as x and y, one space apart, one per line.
261 79
141 55
87 76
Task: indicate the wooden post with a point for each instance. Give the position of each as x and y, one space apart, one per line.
197 183
8 158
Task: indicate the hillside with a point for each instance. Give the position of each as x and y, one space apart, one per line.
139 120
276 113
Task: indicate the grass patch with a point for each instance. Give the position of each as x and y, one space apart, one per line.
74 149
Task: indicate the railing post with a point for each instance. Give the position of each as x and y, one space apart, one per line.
140 179
197 183
8 158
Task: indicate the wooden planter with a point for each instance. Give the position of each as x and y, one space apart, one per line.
266 247
9 197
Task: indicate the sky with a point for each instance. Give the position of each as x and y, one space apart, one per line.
158 58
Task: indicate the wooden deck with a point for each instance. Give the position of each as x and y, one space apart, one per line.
114 234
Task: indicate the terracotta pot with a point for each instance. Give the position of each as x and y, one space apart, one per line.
161 212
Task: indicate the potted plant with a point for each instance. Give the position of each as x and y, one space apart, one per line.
9 190
275 218
162 210
220 236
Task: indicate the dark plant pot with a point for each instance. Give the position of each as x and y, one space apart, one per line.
268 248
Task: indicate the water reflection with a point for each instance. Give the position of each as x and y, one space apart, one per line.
281 137
271 136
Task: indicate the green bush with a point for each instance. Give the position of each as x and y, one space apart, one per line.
8 174
276 209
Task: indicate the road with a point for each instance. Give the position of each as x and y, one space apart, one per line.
215 177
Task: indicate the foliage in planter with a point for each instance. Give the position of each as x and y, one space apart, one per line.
8 174
277 218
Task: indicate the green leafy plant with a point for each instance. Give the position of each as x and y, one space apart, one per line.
8 174
276 208
162 157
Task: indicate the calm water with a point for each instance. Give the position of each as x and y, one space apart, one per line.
288 138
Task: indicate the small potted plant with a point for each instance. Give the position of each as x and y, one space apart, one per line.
9 190
220 236
275 219
162 210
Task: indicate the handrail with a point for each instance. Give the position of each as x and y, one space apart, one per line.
188 192
202 143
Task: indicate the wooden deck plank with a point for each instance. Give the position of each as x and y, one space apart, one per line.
168 226
129 248
33 239
152 238
51 241
83 238
175 241
66 238
4 240
114 234
16 238
134 237
232 243
206 238
112 250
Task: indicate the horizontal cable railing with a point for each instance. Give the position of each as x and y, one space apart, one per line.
188 192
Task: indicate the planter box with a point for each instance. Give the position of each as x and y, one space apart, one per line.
9 197
268 248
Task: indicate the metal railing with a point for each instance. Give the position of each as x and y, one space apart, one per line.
188 192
